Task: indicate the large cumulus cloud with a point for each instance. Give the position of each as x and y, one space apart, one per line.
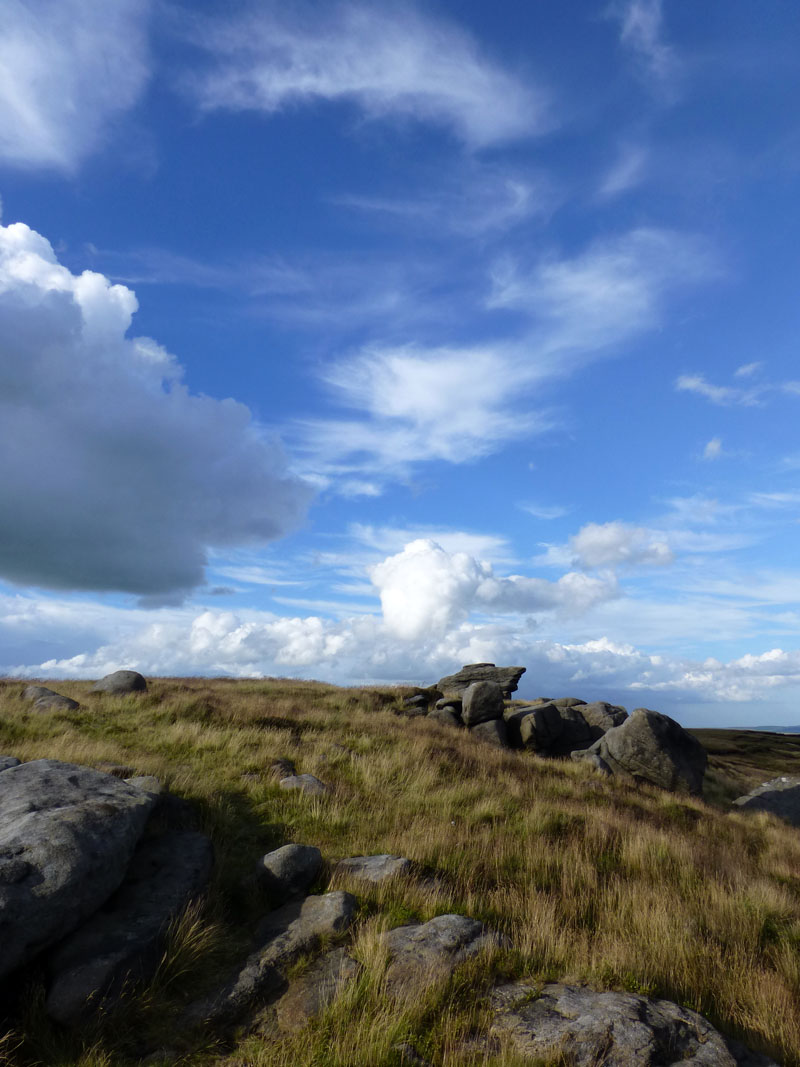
113 475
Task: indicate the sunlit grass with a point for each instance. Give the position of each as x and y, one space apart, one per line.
589 879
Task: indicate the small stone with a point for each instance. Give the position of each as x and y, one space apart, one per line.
120 682
289 871
148 783
282 768
373 869
306 783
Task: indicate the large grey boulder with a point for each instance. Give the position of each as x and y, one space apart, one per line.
653 748
506 677
120 682
426 952
481 702
779 796
283 936
616 1029
373 869
44 699
67 834
122 941
310 994
559 727
289 871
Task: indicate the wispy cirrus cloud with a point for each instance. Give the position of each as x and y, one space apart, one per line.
68 70
642 32
389 62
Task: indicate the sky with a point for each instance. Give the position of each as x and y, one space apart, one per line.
359 341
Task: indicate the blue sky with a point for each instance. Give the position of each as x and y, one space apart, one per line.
358 341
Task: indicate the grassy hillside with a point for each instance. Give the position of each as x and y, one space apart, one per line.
625 888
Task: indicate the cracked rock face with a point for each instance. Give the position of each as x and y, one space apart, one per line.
615 1029
67 834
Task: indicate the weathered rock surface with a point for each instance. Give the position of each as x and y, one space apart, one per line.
653 748
314 990
507 677
558 727
481 702
779 796
7 762
453 704
67 834
284 935
493 732
289 871
306 783
122 941
45 699
426 952
446 716
373 869
148 783
615 1029
121 682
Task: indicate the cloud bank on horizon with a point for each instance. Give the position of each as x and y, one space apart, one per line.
359 344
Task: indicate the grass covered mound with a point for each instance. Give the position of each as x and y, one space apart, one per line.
622 887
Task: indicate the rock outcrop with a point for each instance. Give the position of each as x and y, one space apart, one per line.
122 941
506 677
67 834
44 699
557 728
779 796
120 682
653 748
616 1029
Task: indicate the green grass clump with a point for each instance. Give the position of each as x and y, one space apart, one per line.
591 880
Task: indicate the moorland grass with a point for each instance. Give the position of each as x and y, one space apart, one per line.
623 887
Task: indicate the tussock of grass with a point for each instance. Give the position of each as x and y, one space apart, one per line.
591 880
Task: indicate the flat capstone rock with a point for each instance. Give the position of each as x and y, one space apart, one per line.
614 1029
67 834
306 783
121 682
374 869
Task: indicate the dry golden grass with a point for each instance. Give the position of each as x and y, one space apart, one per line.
591 880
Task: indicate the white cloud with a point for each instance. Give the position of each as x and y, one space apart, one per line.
426 590
545 512
747 370
725 395
612 544
713 449
460 402
114 476
641 25
390 62
68 70
626 173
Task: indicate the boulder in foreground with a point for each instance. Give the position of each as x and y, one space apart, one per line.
67 834
615 1029
121 682
45 699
